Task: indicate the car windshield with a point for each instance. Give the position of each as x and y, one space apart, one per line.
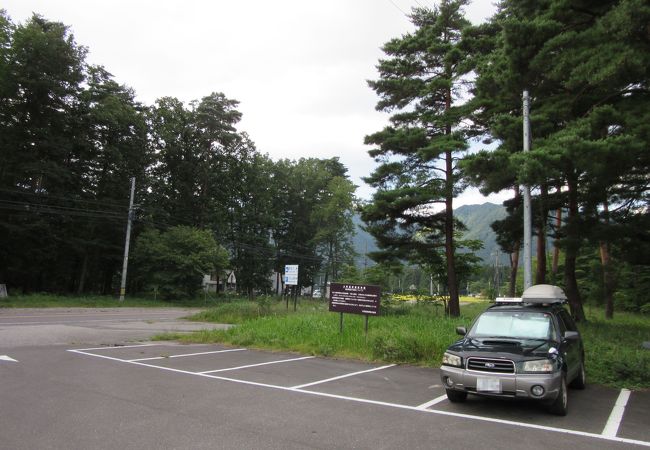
509 324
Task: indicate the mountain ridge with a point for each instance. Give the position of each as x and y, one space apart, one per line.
477 218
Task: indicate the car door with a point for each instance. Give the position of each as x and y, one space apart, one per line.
572 348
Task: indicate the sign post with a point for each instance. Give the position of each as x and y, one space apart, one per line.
291 279
355 299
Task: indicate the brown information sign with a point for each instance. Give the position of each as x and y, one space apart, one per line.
355 299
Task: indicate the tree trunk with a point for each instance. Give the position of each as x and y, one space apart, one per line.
514 268
573 245
514 256
556 246
82 274
608 276
540 275
452 282
330 255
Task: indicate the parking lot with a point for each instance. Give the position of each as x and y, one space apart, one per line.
594 412
84 379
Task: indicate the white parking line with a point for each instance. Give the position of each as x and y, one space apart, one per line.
379 403
187 354
435 401
614 421
255 365
341 377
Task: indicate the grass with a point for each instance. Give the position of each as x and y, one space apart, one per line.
96 301
613 349
412 333
404 333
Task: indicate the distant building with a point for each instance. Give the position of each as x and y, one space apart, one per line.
220 282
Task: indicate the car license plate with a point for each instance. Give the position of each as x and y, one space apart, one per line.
488 385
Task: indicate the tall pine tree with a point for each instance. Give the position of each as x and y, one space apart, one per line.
422 81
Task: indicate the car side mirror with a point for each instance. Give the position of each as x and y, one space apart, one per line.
571 335
461 330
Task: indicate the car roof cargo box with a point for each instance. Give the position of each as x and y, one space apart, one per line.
538 294
543 293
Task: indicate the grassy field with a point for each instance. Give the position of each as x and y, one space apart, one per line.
412 333
613 349
95 301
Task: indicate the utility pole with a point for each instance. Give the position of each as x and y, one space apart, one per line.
528 236
126 244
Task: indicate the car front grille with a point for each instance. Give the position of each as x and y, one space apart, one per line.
491 365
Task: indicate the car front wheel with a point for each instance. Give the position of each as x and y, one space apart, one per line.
456 396
560 404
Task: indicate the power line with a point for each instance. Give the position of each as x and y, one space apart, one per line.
69 214
400 9
28 205
57 197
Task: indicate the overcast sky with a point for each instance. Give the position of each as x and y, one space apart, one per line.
297 67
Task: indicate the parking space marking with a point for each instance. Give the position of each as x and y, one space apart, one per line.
616 416
379 403
255 365
301 386
435 401
187 354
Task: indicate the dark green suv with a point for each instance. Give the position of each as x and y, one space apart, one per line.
526 347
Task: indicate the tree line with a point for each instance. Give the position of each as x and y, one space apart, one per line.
206 199
448 83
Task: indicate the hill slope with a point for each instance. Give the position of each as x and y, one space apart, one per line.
477 219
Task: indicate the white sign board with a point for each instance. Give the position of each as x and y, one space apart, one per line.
291 275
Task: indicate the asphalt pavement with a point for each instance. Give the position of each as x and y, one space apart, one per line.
84 379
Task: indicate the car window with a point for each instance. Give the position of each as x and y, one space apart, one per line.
568 321
563 326
511 324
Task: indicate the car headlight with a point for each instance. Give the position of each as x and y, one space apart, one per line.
452 360
538 366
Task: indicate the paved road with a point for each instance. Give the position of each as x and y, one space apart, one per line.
22 326
165 395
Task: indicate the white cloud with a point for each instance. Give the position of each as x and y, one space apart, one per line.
298 67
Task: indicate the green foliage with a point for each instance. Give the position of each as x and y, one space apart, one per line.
420 83
314 204
176 260
71 139
587 71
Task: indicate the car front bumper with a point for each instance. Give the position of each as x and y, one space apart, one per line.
509 385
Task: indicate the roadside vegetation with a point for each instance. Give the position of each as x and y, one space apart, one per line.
98 301
411 333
